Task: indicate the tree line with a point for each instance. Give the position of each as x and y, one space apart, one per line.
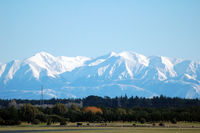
60 113
123 101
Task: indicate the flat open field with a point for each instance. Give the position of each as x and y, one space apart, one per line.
98 130
116 127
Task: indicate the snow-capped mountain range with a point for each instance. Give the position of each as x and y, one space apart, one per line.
114 74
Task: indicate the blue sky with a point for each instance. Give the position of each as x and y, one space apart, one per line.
96 27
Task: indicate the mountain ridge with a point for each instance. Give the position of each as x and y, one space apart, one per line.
113 74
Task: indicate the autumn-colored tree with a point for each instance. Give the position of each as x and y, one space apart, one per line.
92 109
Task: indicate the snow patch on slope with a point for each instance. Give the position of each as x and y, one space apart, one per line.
70 63
169 67
190 77
2 68
97 62
197 88
15 65
102 70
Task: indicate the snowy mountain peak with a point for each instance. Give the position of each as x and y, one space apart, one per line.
112 54
41 56
54 65
109 55
135 57
43 53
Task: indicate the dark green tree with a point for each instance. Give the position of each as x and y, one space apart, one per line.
28 112
60 109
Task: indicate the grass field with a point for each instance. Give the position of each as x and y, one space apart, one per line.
180 127
99 130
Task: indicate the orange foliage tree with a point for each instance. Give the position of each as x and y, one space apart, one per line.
93 109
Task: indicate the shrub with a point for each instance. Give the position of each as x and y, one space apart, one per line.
42 117
55 118
1 121
79 124
49 122
11 122
104 124
161 124
35 122
67 119
63 123
174 121
142 120
18 122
